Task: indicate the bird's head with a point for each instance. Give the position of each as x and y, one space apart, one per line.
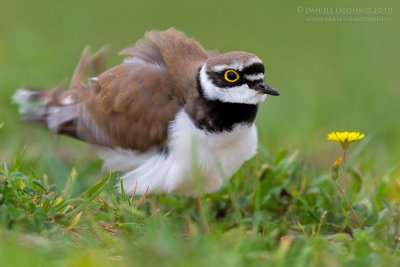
234 77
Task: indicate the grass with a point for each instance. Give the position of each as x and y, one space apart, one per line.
275 211
281 209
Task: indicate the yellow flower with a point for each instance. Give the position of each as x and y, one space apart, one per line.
345 138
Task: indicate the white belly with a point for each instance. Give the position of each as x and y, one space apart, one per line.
197 162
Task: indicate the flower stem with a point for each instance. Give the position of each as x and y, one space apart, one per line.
353 213
344 160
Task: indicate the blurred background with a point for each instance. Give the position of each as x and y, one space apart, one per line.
332 75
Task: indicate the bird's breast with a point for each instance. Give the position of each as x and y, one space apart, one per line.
213 156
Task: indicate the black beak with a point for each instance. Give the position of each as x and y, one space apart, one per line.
266 89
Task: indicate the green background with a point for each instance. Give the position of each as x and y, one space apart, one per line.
331 75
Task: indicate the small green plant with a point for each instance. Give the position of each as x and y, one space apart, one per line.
33 205
344 138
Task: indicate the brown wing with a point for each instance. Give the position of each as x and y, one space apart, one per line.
129 106
132 104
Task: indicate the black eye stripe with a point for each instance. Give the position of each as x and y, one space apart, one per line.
217 78
255 68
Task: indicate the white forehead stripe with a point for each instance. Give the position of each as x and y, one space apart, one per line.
254 77
239 66
235 66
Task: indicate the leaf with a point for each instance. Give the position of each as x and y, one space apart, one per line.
356 180
75 220
17 176
91 190
69 185
90 194
280 156
39 184
18 160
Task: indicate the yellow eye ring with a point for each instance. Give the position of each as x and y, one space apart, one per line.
231 76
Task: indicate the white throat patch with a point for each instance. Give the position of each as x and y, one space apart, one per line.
239 94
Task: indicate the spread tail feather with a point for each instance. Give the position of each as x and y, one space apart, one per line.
29 109
54 109
57 108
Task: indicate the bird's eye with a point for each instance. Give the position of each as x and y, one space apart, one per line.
231 76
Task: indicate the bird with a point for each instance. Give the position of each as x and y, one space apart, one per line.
172 117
